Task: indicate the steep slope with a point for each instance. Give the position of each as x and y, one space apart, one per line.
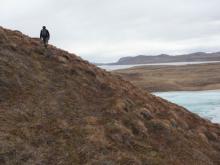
62 110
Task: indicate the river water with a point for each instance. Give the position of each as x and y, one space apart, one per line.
204 103
116 67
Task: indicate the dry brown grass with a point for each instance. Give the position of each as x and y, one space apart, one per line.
174 78
64 111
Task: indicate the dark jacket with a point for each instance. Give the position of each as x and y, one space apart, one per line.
45 34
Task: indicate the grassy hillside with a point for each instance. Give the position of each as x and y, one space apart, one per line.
61 110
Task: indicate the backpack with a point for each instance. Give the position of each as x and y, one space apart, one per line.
44 33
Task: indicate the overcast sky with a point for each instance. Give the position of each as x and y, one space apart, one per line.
105 30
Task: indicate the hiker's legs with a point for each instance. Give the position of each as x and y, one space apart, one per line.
45 42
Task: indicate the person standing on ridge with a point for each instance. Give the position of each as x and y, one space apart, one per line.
45 36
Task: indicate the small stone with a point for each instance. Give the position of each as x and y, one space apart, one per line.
147 115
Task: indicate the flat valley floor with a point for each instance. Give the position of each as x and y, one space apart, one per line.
174 78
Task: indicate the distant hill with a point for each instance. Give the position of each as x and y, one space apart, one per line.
62 110
174 78
164 58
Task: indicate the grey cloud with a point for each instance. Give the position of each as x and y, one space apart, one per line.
103 30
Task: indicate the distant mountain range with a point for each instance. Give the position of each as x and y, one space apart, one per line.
164 58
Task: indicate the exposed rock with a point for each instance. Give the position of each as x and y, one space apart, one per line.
146 114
